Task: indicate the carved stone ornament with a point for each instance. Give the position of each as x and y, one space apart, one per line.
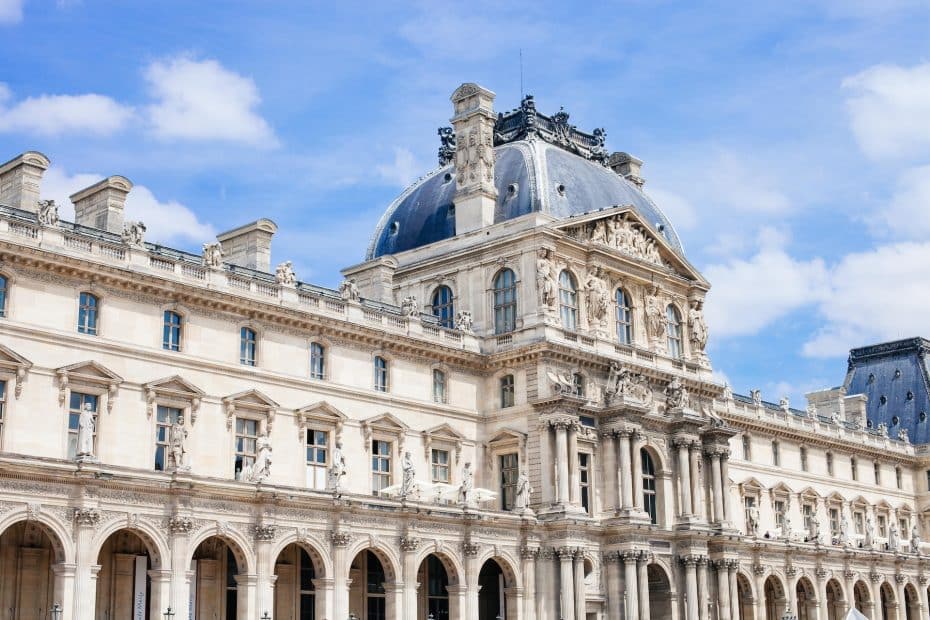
284 274
756 396
622 233
133 234
529 553
340 539
875 576
446 146
900 579
48 213
470 549
625 386
264 533
464 321
676 396
409 307
821 572
180 525
212 256
409 543
348 290
758 569
88 517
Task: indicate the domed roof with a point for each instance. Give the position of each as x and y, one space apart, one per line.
535 170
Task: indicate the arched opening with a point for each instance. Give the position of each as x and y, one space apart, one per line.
652 499
123 583
433 600
911 603
774 598
660 592
216 573
367 594
491 597
889 604
836 606
568 300
296 573
442 306
807 599
505 301
861 598
744 597
28 553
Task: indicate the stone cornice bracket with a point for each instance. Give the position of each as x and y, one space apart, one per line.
264 532
409 543
86 517
178 525
17 365
470 549
340 539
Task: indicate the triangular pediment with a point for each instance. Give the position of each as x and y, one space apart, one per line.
882 504
506 434
859 501
175 385
835 497
444 431
322 410
781 489
385 421
809 493
91 371
622 231
252 399
751 485
11 359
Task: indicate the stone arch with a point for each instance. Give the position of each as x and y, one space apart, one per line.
506 563
57 532
494 568
454 568
322 562
911 602
862 597
237 542
117 548
151 537
806 599
836 600
745 596
660 591
888 601
388 558
774 596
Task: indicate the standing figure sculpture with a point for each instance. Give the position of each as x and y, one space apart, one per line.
598 299
337 470
348 290
262 468
869 532
468 483
545 281
697 327
915 539
894 539
656 321
408 485
521 502
177 442
86 428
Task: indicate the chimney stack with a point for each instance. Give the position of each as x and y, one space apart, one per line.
250 245
628 167
475 193
101 205
20 179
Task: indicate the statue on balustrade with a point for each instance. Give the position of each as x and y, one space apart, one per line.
408 487
337 470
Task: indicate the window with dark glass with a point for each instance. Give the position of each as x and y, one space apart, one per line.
877 469
624 318
77 404
317 458
307 589
165 417
898 477
803 458
3 294
510 472
747 448
578 384
673 331
439 462
649 487
854 468
439 386
381 374
776 454
317 361
584 480
246 446
2 408
568 300
380 465
88 314
443 307
437 593
248 346
375 578
171 334
830 463
507 391
505 301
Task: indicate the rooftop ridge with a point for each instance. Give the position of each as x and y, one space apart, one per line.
887 349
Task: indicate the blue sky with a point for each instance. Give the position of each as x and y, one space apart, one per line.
789 142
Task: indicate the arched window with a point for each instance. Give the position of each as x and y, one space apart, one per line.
171 333
381 374
443 307
624 318
505 301
4 283
439 386
568 300
317 361
673 331
88 314
248 346
649 486
507 391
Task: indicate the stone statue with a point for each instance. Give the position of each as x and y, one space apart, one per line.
338 469
753 515
883 430
262 468
408 486
177 442
545 281
613 382
783 404
786 527
903 436
446 146
835 418
845 538
468 483
814 529
48 213
522 500
727 392
212 255
656 321
598 298
756 396
348 290
697 327
894 539
463 321
86 428
599 232
915 539
284 274
133 233
409 307
676 396
869 532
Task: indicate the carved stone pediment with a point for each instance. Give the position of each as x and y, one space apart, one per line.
88 373
442 433
252 401
387 424
14 364
321 413
173 389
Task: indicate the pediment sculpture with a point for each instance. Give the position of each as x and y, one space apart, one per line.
623 384
621 232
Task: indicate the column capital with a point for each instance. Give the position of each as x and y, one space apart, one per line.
692 559
566 553
409 543
849 574
900 579
644 556
821 572
264 532
86 517
875 576
179 525
339 538
470 549
610 556
922 580
529 553
733 564
758 570
682 442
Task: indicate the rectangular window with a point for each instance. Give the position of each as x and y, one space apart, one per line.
439 460
88 310
171 334
510 471
807 512
2 408
779 514
165 417
898 477
248 346
747 448
877 468
749 508
854 468
584 480
246 439
317 458
507 396
380 465
317 361
381 374
834 522
77 404
3 286
830 463
882 523
858 522
439 386
803 458
902 527
776 454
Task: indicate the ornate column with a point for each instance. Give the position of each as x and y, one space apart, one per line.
470 551
630 584
821 575
626 470
735 603
610 471
716 491
703 592
528 556
561 459
341 581
179 529
85 591
684 477
637 471
899 581
574 491
723 590
759 571
64 585
875 577
246 584
545 585
725 484
408 546
264 536
642 577
692 604
580 598
848 576
922 594
614 595
566 584
697 488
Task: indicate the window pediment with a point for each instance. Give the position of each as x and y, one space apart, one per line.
88 373
385 424
16 365
174 389
250 401
445 435
751 487
320 413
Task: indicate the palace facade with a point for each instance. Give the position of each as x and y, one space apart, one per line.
507 411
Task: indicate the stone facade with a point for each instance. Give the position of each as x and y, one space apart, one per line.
233 441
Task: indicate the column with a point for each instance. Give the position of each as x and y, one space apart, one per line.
821 574
697 489
637 472
85 574
161 588
684 478
574 489
324 597
614 595
922 594
64 585
470 551
626 480
341 581
408 546
179 529
692 604
759 571
246 586
561 459
723 590
735 603
610 471
566 584
630 586
544 585
899 580
715 485
580 593
725 484
528 556
850 594
264 536
642 577
703 593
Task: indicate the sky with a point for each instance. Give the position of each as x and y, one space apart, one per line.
789 142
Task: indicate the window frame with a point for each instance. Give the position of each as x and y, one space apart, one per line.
674 332
5 281
650 485
802 457
172 334
164 443
442 305
434 464
568 300
245 359
829 463
245 417
88 317
854 468
74 415
586 481
440 385
507 486
381 368
747 447
504 300
623 316
317 360
776 453
510 387
388 457
316 468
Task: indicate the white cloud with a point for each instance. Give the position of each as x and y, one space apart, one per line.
908 213
403 170
11 11
59 114
679 211
202 100
889 108
164 221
